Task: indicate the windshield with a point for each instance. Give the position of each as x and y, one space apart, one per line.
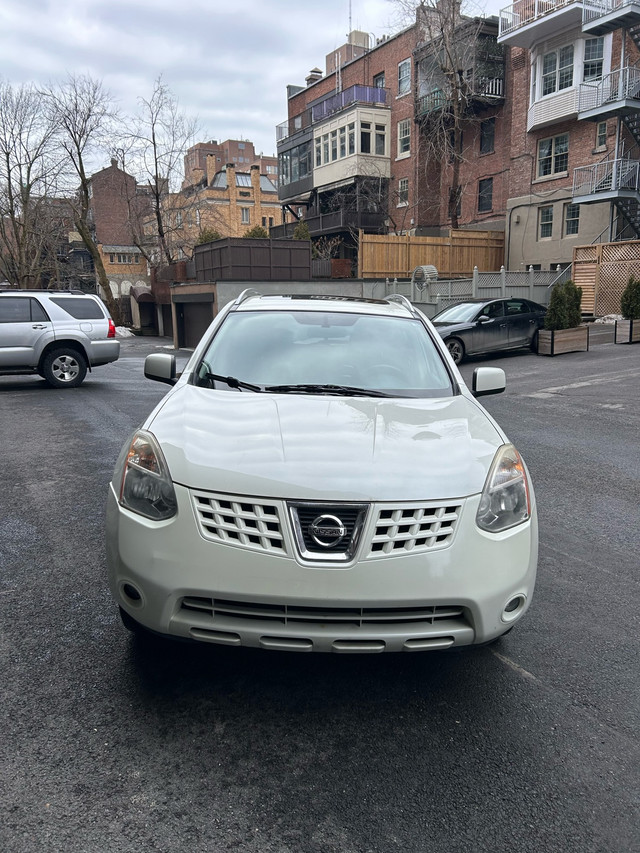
314 348
461 313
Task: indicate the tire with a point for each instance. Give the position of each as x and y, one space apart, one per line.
130 623
533 346
456 349
64 367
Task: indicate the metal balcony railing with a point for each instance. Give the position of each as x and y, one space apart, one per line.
593 9
323 223
370 95
480 89
616 86
524 12
609 176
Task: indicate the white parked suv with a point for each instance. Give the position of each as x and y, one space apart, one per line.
59 334
320 478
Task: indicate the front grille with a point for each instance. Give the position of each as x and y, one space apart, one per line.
286 614
239 521
327 532
413 528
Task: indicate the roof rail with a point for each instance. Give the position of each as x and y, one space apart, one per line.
246 294
402 300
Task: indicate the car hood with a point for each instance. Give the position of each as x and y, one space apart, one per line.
445 328
325 448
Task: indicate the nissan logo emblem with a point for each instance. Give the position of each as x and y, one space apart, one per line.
327 531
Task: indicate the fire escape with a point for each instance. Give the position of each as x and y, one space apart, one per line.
616 178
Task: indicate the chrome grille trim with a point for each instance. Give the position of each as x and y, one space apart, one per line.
287 614
250 523
413 528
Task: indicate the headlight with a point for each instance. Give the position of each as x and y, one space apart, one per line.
146 486
505 500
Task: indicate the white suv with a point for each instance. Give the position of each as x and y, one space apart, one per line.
58 334
320 478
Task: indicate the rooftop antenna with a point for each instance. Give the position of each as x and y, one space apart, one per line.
349 15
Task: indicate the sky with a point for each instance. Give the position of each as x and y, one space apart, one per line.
227 64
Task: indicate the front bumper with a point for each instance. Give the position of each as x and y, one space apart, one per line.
173 581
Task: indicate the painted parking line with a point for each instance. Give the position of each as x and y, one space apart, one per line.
602 379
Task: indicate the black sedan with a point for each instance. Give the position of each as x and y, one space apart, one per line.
479 326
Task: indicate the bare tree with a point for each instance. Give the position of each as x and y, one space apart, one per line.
158 144
31 225
459 71
85 115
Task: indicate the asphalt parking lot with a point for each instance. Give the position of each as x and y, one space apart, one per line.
107 744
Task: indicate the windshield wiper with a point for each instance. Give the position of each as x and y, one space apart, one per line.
232 382
341 390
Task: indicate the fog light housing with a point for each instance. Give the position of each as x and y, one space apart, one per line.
513 608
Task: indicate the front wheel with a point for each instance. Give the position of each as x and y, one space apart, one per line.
456 349
64 367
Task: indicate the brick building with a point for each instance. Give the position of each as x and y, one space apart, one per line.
241 152
229 200
117 206
546 147
573 99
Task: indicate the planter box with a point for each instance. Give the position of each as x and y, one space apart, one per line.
627 331
563 340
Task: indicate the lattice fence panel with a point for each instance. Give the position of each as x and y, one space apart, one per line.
628 250
614 277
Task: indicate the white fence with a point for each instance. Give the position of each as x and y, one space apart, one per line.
433 296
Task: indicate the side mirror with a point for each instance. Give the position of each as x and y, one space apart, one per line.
161 366
484 319
488 380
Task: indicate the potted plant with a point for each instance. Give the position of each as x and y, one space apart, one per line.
628 330
563 329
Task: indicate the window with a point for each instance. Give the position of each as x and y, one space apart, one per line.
485 195
601 134
270 221
351 135
15 310
553 155
264 221
365 137
403 191
404 77
318 155
343 141
334 145
79 308
487 136
557 70
325 148
593 56
179 218
381 140
545 222
378 80
198 218
244 215
404 136
571 219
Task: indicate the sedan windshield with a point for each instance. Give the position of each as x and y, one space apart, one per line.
464 312
324 353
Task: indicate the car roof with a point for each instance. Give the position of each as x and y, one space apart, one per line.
393 305
18 291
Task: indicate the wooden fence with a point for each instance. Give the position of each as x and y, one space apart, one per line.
602 270
391 256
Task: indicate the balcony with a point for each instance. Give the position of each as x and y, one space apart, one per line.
603 16
617 93
333 103
554 108
609 180
328 223
529 21
482 90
